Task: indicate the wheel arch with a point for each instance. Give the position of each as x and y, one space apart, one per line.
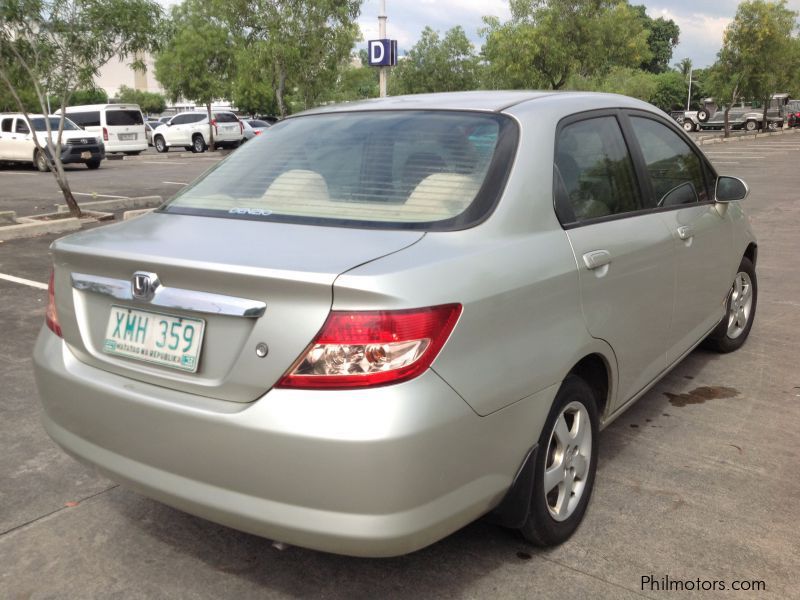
752 252
595 369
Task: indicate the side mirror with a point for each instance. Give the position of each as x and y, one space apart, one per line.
730 189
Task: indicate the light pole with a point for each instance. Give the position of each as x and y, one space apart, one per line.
382 35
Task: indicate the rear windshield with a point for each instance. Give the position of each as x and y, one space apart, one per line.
124 117
86 119
391 169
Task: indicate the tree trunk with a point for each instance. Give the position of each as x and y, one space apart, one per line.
281 87
764 123
212 144
727 122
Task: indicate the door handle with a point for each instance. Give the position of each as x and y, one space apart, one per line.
685 232
596 259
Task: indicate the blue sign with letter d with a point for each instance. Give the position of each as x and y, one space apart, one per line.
382 53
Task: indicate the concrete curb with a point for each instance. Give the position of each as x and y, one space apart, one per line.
25 227
745 137
169 155
132 214
117 204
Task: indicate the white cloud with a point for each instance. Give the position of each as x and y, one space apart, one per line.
700 37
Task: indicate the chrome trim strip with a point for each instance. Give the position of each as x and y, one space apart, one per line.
167 297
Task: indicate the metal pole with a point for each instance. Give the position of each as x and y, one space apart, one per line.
382 35
689 99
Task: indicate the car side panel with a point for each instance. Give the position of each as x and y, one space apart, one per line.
521 324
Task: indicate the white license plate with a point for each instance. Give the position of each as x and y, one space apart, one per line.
165 340
85 155
127 136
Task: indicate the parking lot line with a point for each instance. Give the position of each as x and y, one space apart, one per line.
100 195
16 173
161 162
28 282
175 182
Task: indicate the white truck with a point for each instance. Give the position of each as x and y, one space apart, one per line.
17 144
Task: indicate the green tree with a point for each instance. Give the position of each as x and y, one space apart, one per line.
547 41
356 83
301 45
758 51
57 46
149 102
197 61
670 92
252 92
662 38
437 64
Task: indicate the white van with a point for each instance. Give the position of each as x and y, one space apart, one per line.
121 125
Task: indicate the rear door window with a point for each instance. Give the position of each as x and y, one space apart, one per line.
86 119
123 118
22 126
676 172
6 124
594 175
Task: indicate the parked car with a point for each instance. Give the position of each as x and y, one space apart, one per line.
259 126
190 130
120 125
17 144
253 127
149 127
247 131
386 319
793 113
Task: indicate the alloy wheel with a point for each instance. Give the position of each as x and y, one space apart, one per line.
569 455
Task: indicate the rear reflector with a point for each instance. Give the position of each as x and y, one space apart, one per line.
51 316
370 348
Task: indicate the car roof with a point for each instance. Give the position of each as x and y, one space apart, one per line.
83 107
30 115
487 101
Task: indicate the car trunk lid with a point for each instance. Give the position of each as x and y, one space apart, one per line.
216 270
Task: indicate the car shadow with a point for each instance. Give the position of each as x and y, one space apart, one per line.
457 561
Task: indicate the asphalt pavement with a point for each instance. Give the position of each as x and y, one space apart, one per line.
696 482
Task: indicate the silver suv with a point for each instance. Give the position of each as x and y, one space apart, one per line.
191 130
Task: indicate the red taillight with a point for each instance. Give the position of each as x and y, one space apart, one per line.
51 316
369 348
258 132
214 123
105 134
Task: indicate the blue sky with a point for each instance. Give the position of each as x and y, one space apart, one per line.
701 23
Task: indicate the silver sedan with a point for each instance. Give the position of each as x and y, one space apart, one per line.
384 320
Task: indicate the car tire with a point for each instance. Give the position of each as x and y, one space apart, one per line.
702 115
93 164
160 144
751 125
40 161
740 310
566 462
688 126
198 143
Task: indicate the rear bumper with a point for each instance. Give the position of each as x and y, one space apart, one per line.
133 146
375 472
